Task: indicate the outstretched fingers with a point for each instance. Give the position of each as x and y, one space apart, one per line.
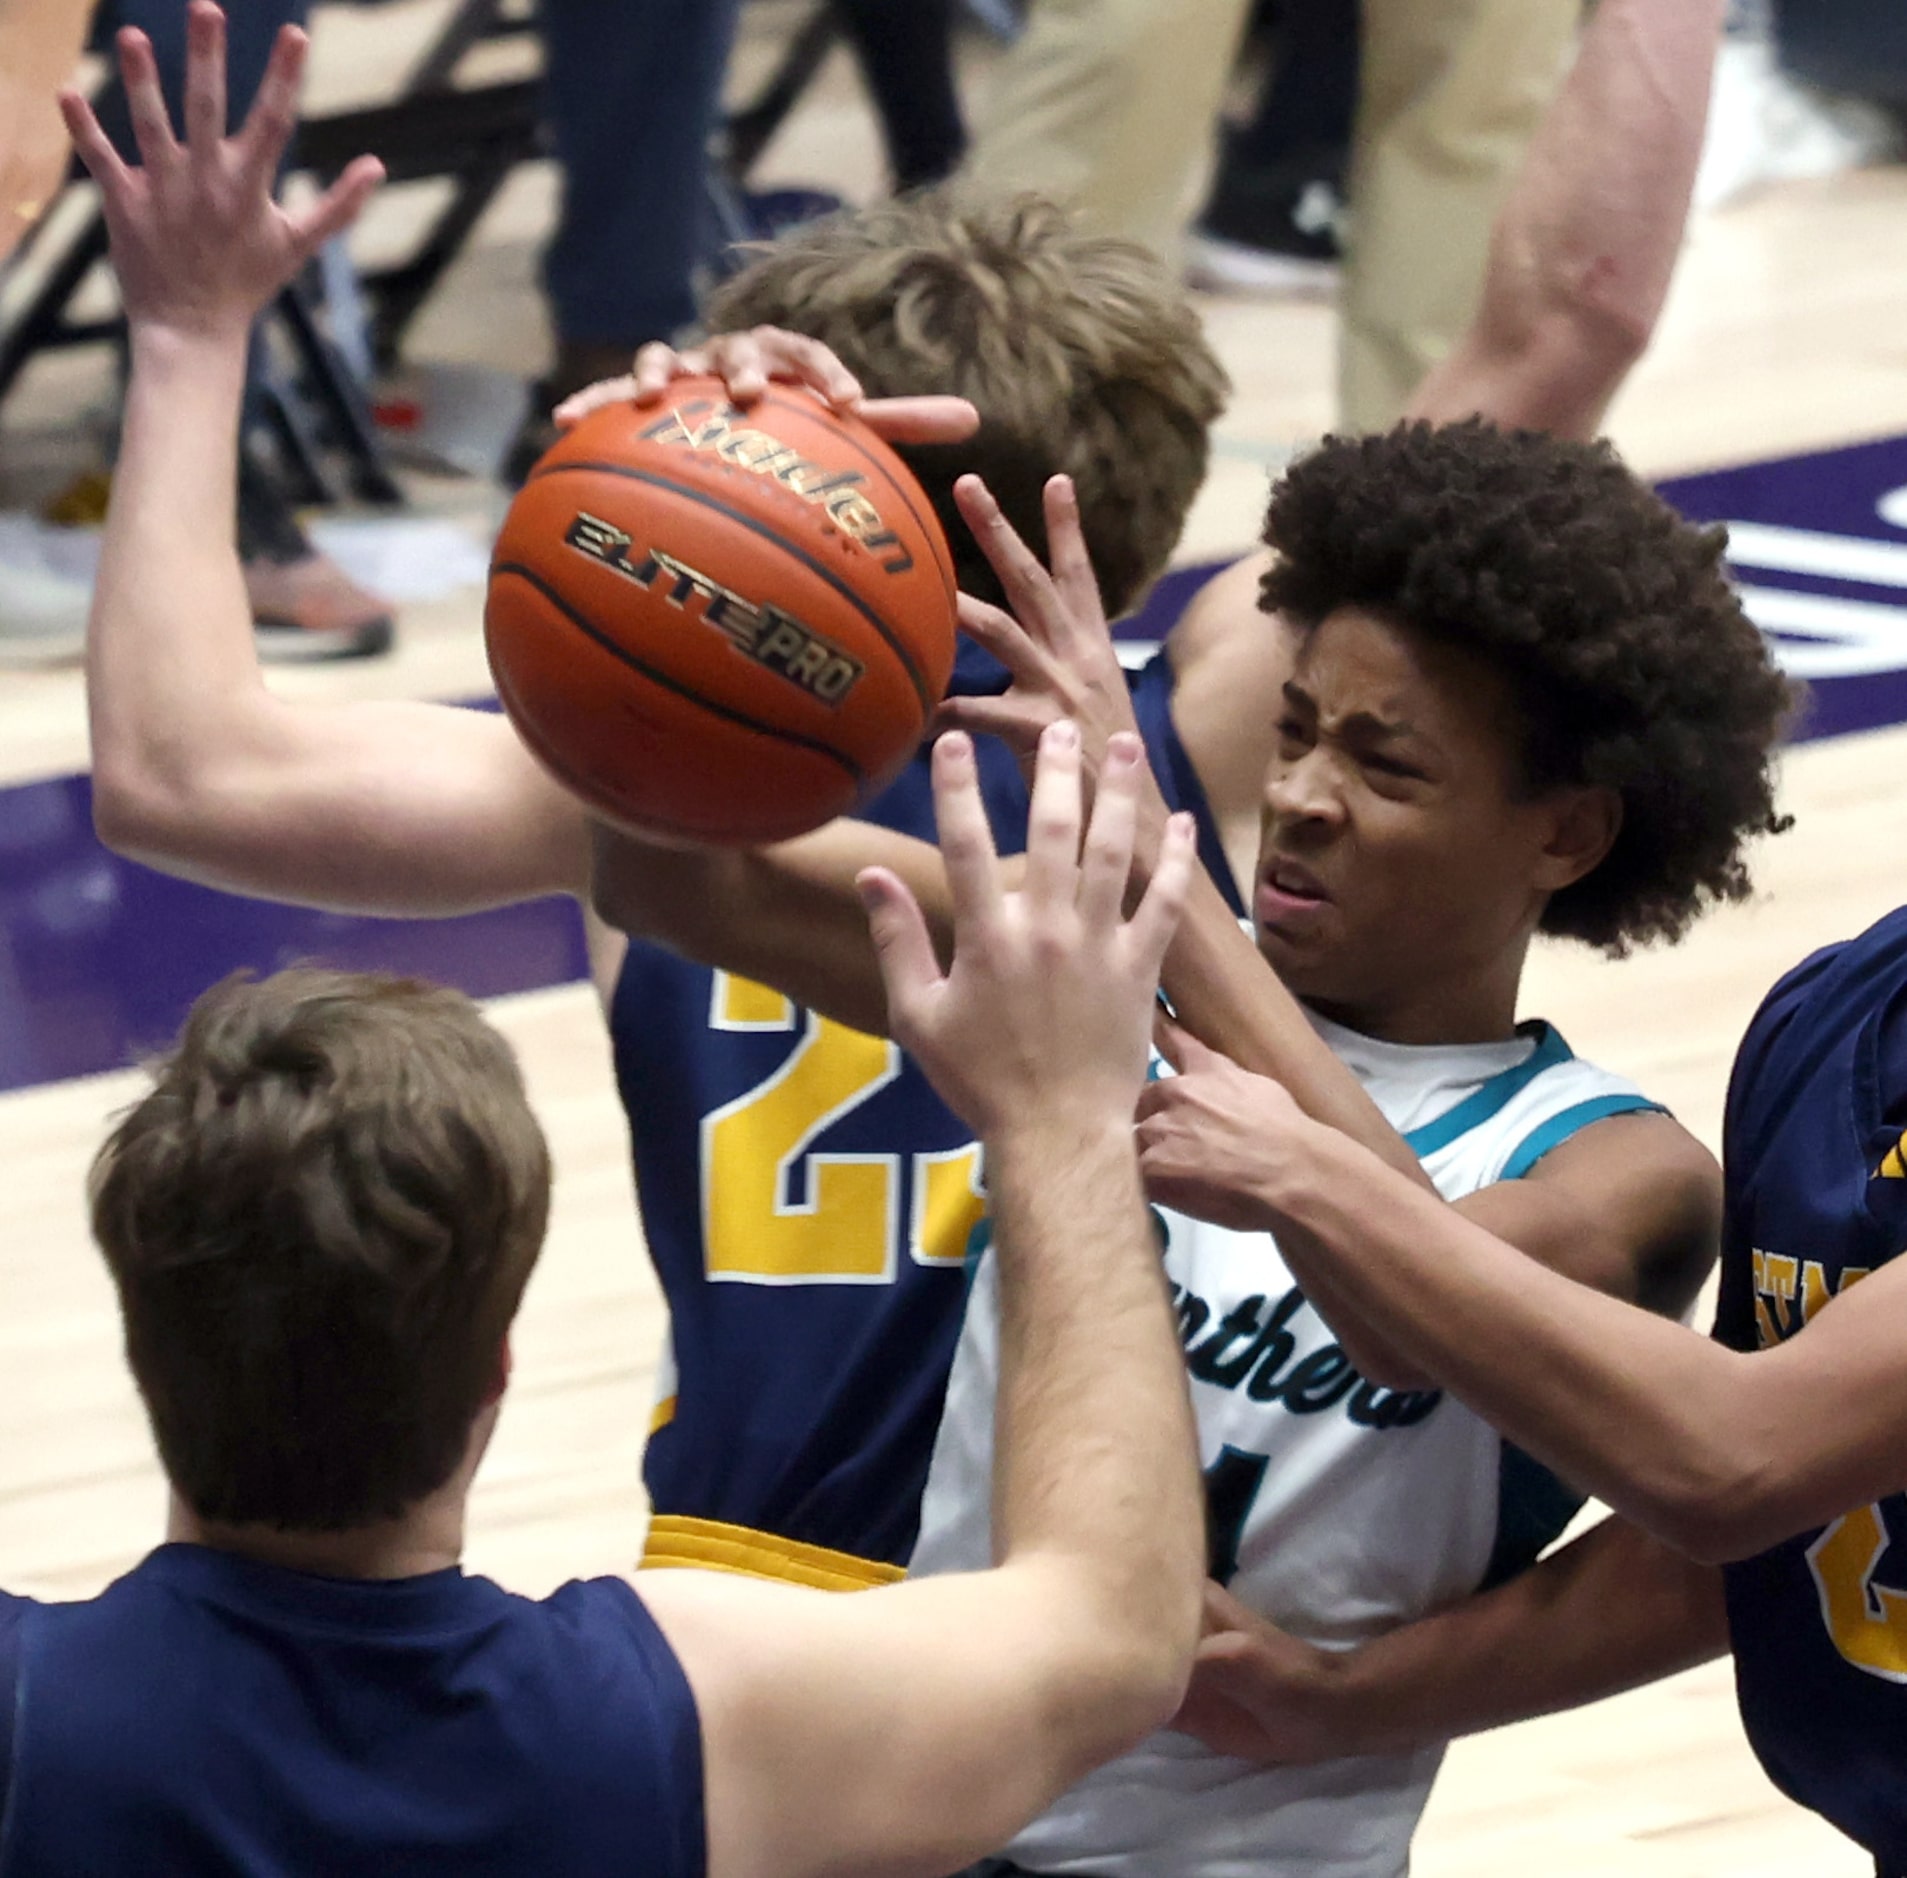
1053 821
145 102
1106 862
929 418
204 80
273 117
1029 587
1157 916
338 207
910 972
94 148
966 838
1072 565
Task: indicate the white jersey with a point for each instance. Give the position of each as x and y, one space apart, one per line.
1338 1509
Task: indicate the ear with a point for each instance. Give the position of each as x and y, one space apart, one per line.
1584 823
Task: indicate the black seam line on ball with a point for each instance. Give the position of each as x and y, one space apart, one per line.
675 685
896 644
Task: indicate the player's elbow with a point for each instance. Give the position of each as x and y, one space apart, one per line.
141 812
1128 1660
1720 1496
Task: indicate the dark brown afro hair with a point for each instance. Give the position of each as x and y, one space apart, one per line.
1633 664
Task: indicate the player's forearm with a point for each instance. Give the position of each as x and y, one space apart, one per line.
1612 1611
787 916
170 646
1224 992
1094 1455
1683 1436
1585 247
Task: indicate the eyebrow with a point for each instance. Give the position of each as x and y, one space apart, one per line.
1364 725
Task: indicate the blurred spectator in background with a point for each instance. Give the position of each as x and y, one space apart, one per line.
304 604
1804 90
1273 222
905 49
633 89
1111 104
41 615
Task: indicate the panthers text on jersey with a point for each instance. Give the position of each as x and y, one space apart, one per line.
1336 1508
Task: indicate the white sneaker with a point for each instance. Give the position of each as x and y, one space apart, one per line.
1765 127
1215 265
42 616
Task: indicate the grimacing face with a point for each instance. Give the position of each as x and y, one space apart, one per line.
1402 868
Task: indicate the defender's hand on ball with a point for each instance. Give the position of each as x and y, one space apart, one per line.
1043 1015
1055 642
198 243
747 363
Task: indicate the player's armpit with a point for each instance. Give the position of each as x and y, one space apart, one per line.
906 1730
1631 1206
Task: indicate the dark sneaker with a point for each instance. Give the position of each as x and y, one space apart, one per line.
1274 242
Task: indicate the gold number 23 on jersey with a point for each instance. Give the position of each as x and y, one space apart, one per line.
775 1212
1867 1621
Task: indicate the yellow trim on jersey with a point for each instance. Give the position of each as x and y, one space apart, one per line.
714 1545
662 1414
1893 1166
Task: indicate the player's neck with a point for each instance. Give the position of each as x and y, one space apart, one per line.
1466 1006
427 1536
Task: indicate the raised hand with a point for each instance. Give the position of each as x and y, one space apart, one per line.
198 242
747 363
1055 642
1213 1138
1044 1013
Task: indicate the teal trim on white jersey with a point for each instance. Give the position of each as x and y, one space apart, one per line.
1559 1128
1338 1509
1477 1108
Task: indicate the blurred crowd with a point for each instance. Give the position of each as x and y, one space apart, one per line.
1265 148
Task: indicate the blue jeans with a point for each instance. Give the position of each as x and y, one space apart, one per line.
633 89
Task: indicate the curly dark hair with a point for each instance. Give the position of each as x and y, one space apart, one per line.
1629 654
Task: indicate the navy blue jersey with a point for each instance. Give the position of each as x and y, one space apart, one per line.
808 1202
1817 1199
209 1715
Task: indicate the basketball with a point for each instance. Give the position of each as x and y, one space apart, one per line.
718 623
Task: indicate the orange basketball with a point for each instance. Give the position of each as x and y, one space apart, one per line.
721 623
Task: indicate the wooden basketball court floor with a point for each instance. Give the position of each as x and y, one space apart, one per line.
1785 335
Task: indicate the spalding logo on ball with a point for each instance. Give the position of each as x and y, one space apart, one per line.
721 623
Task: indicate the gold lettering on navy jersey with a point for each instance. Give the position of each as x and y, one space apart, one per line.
1892 1167
1789 1292
763 632
843 493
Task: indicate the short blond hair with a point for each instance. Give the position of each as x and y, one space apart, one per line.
1080 351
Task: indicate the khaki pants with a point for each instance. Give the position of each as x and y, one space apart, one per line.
1111 105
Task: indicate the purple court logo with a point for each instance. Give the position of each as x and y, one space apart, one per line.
1818 545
